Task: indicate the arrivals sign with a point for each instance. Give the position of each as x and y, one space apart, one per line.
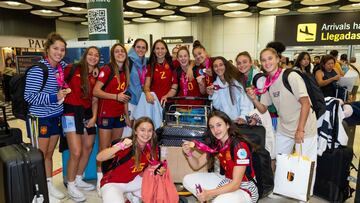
320 29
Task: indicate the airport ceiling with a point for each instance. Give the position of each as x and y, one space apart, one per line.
137 11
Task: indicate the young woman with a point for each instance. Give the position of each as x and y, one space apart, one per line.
303 62
138 64
194 87
247 74
235 158
203 63
113 102
227 94
161 76
297 124
80 111
126 177
327 77
46 104
247 70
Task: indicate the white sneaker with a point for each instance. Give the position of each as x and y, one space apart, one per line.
99 177
75 194
55 192
84 185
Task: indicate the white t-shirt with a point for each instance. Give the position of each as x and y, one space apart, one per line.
288 106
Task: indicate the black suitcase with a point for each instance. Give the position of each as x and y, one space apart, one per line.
8 135
255 134
332 172
22 175
174 135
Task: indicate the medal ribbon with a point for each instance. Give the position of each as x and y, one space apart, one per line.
268 82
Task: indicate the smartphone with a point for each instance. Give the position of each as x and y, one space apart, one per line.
127 92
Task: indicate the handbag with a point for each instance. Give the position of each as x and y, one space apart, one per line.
158 188
293 176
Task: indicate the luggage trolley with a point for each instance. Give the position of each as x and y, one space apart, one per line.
181 122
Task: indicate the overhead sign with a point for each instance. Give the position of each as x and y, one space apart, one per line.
178 40
321 29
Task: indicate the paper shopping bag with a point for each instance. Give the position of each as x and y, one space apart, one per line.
293 176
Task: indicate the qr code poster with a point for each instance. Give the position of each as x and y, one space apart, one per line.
98 21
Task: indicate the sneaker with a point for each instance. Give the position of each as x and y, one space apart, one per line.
84 185
75 194
55 192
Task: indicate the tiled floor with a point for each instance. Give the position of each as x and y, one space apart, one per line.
92 197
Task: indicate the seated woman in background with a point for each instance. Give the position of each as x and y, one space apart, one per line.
326 76
234 154
227 94
125 178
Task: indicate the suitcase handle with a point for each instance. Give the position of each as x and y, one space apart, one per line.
34 130
3 108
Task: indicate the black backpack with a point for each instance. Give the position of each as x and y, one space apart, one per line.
314 91
19 106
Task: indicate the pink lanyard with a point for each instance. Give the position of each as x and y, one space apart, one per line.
184 82
60 76
142 75
203 147
268 82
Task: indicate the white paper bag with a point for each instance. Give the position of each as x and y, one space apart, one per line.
293 176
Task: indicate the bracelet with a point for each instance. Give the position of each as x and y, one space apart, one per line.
120 145
174 88
302 131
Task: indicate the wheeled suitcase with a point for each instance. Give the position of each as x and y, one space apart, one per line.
22 177
8 135
22 172
332 172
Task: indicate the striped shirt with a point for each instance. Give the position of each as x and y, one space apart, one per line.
43 104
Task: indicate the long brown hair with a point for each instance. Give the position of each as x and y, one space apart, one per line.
233 132
152 142
153 57
114 66
84 71
242 75
231 73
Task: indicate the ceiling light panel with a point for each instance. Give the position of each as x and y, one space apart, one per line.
182 2
351 7
14 5
74 10
316 2
144 20
274 11
223 1
273 4
195 9
45 12
143 4
232 7
173 18
313 9
131 14
238 14
72 19
160 12
49 3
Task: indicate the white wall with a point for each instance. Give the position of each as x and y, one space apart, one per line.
227 36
